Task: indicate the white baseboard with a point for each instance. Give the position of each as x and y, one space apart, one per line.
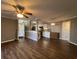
72 43
7 41
69 42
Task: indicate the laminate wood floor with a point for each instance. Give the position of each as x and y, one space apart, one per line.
42 49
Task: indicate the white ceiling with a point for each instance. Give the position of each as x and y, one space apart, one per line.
46 10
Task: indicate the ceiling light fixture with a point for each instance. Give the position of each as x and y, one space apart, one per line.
34 22
52 24
20 15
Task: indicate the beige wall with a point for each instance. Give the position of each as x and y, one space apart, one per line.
66 30
8 29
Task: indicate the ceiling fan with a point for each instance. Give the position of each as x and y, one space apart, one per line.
19 9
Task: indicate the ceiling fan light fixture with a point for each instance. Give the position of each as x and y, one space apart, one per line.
20 15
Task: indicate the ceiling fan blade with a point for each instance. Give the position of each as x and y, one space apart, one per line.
18 8
25 16
6 3
21 8
29 13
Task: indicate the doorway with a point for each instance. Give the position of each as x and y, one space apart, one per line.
22 28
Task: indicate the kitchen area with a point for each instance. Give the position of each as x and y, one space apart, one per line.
32 29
